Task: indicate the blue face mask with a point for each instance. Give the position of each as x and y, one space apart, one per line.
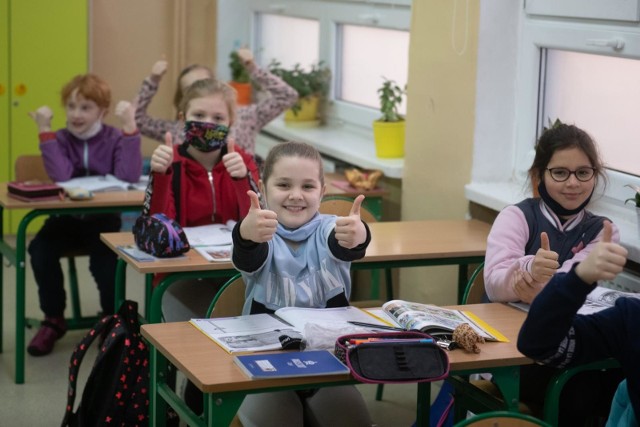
205 137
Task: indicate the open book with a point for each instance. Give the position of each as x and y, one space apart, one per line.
210 235
437 321
261 332
99 183
599 299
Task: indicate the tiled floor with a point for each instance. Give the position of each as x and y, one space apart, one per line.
42 399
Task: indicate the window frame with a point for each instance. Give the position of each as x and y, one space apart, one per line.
241 27
571 35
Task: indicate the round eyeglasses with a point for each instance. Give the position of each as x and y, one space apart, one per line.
583 174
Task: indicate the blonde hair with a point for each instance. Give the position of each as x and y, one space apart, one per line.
208 87
89 86
177 96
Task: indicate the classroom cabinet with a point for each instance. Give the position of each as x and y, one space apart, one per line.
43 44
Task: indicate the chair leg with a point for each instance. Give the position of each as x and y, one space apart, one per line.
379 392
73 285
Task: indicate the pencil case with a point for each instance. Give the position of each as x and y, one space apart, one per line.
393 357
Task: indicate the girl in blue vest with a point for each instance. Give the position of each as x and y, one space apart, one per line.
539 237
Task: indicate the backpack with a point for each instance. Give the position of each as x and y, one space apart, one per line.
116 392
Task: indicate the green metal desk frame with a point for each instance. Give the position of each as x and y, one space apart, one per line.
17 257
220 408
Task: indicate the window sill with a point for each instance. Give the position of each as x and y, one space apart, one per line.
497 196
341 142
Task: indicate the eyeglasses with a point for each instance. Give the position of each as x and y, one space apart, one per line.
583 174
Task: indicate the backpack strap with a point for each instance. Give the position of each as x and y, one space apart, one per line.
76 359
175 187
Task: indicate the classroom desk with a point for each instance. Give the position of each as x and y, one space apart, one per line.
213 371
119 201
393 244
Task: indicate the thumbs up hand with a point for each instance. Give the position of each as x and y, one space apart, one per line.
162 156
233 161
350 230
42 116
545 263
259 225
605 261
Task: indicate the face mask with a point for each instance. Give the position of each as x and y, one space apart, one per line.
557 207
205 137
89 133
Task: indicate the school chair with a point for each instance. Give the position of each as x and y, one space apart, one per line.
229 299
341 206
502 419
31 167
473 294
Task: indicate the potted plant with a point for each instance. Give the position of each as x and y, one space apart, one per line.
635 199
240 79
389 130
312 87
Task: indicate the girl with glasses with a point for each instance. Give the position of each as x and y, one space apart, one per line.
531 241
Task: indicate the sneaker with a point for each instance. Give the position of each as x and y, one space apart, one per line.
51 330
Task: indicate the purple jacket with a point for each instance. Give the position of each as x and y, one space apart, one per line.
108 152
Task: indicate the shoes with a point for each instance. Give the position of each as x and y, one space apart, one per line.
51 330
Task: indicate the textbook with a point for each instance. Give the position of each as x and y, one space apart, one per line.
261 332
437 321
210 235
290 364
598 299
100 183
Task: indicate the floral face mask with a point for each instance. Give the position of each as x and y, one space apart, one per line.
204 136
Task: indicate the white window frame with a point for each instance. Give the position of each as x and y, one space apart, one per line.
507 110
236 24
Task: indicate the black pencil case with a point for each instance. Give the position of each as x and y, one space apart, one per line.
396 357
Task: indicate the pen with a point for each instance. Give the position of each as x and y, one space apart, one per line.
391 340
373 326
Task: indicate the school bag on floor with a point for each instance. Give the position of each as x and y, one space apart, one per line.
116 392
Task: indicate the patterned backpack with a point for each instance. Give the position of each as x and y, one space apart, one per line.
116 392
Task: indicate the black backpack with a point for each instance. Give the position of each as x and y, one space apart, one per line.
117 390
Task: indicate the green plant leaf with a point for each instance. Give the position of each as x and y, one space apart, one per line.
238 71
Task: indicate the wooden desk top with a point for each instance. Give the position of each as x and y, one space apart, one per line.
394 240
213 370
100 200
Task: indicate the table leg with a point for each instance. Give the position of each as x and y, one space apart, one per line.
508 380
5 250
220 410
423 405
21 237
120 290
157 376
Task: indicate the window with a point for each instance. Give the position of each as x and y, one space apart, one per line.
359 41
302 36
600 94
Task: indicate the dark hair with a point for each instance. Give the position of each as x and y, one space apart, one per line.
562 137
89 86
177 96
206 87
291 149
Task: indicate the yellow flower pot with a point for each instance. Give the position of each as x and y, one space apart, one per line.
389 138
307 116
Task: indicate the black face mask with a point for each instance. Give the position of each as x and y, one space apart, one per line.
555 206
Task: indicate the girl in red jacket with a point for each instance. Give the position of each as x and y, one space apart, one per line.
202 181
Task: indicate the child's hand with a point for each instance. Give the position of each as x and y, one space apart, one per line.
350 231
259 225
158 70
42 116
605 261
162 156
126 112
246 56
233 161
525 287
545 263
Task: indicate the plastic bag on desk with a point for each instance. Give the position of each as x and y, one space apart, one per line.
320 337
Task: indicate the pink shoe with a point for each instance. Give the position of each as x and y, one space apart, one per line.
51 330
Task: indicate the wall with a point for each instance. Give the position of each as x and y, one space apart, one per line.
127 37
440 129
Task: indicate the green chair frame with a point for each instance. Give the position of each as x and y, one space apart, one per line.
502 419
